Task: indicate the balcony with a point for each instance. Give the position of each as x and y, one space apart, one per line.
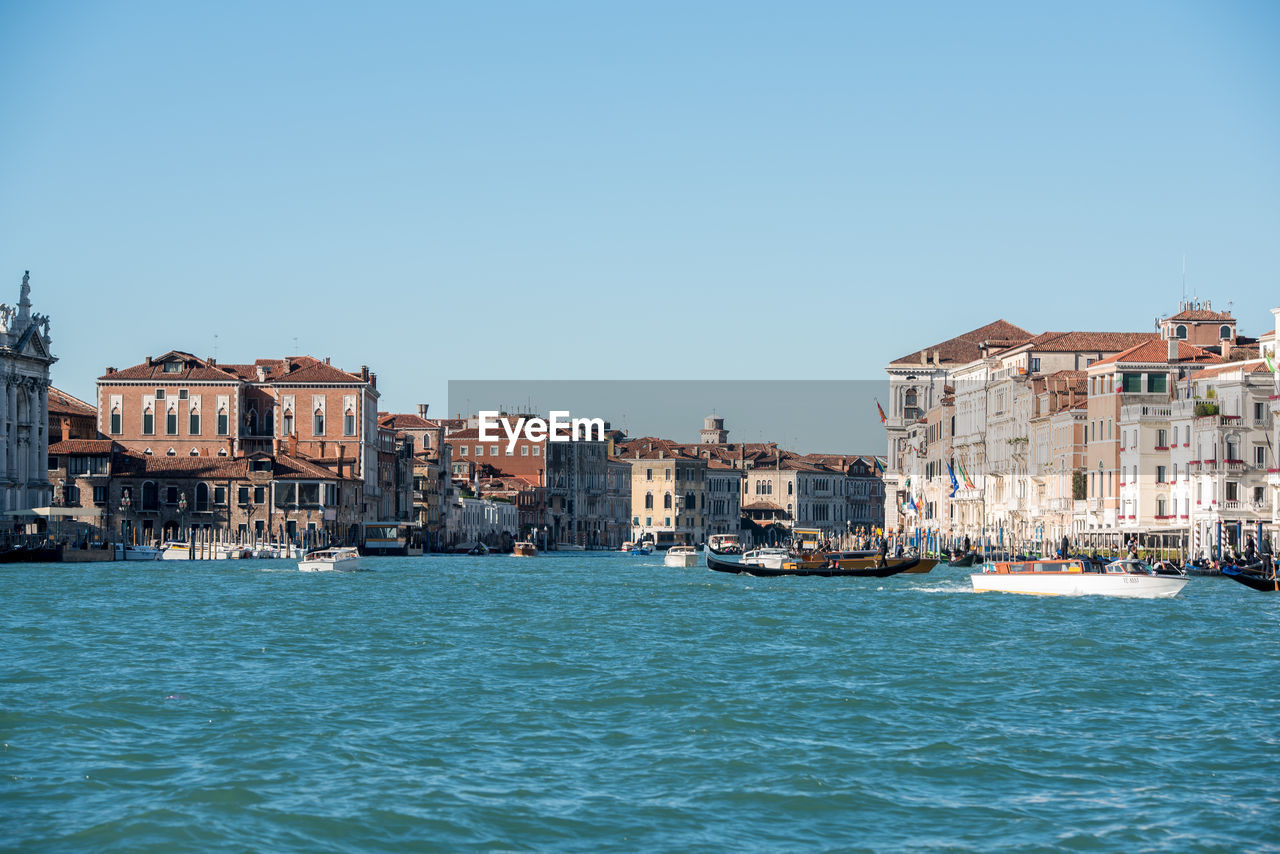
1095 504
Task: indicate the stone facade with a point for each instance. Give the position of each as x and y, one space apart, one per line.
25 360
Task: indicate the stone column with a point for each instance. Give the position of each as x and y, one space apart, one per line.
5 439
11 430
42 446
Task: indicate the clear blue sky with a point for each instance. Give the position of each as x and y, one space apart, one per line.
648 190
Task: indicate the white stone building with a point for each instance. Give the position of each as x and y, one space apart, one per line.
24 405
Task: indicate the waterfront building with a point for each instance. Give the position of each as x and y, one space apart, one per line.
618 498
255 498
25 359
485 520
70 417
668 492
179 405
724 496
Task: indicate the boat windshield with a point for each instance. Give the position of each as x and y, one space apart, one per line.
1132 566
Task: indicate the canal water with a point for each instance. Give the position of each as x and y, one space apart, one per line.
590 702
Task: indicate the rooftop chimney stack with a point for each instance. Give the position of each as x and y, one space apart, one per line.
1173 349
422 410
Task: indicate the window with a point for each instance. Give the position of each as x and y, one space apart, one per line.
493 450
479 450
1224 331
99 495
171 422
666 502
1162 439
463 450
193 423
223 426
1259 456
648 501
259 494
1131 383
1156 383
1161 471
1259 494
1035 364
171 495
182 394
318 423
349 423
159 394
115 419
219 495
202 497
648 474
537 449
1181 332
648 520
242 495
148 422
667 473
524 450
173 367
286 424
1259 413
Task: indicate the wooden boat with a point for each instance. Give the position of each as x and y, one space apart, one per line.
524 548
680 556
801 568
1252 580
970 559
1128 578
724 544
330 560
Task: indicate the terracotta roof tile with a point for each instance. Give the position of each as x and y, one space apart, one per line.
1199 314
84 446
965 348
1089 342
61 403
1157 352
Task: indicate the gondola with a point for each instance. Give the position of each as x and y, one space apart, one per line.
970 559
1252 580
892 568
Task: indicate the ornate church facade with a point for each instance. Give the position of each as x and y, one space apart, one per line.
24 404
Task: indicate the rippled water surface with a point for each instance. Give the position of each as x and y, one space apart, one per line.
604 702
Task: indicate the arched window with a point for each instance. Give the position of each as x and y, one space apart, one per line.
349 422
115 419
319 422
193 453
148 421
222 452
1224 331
789 487
202 496
648 501
286 423
222 421
251 422
171 420
666 501
171 453
1181 332
150 496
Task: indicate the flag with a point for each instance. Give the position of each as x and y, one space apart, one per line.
955 484
880 409
879 469
965 475
1269 358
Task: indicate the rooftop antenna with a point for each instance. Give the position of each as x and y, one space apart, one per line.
1184 277
295 346
215 346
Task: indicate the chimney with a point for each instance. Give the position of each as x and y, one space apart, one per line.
924 357
293 444
213 363
322 449
262 374
342 457
1173 349
109 370
326 360
373 380
148 361
364 372
275 447
422 410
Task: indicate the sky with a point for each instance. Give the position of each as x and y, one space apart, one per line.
584 190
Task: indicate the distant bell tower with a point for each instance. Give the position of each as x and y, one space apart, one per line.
713 432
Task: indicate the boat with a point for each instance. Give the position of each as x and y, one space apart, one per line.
627 546
137 553
343 559
765 558
1253 578
965 560
642 549
1130 578
681 556
524 548
724 544
791 567
175 550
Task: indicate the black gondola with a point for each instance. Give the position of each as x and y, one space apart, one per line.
970 559
1252 580
892 568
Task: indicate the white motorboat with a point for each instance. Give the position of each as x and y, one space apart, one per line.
524 548
724 544
330 560
681 556
769 558
1125 578
175 550
137 553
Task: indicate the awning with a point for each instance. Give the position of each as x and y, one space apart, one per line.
60 512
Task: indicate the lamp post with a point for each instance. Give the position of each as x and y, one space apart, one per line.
125 531
182 523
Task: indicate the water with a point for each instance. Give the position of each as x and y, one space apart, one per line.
604 702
